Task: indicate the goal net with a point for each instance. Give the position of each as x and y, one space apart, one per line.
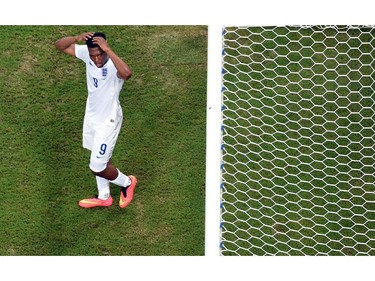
298 169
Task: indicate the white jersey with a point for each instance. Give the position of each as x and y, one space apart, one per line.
103 85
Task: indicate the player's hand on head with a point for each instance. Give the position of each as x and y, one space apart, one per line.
101 42
85 36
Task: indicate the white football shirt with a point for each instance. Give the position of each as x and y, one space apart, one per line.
103 88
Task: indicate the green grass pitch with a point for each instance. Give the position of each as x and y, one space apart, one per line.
44 169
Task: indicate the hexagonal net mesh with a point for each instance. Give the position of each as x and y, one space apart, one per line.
298 140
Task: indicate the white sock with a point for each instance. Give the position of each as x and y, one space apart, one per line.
103 188
121 180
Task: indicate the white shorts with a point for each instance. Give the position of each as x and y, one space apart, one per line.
100 140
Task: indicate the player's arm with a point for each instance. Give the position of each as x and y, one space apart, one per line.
123 70
67 44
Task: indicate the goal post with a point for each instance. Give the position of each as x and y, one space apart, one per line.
213 141
297 154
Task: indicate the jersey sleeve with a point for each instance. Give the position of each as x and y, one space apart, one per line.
82 52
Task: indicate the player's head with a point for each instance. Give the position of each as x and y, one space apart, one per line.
96 53
89 42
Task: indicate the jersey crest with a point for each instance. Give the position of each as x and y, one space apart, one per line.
104 72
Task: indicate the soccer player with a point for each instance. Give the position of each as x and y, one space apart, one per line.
105 75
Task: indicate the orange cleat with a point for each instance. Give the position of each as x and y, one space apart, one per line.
95 202
127 193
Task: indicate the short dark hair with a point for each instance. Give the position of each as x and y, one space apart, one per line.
89 42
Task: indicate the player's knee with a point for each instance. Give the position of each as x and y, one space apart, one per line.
97 167
96 173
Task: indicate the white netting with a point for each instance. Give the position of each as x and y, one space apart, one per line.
298 141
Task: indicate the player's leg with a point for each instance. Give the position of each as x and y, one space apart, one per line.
126 183
103 188
101 153
114 175
104 198
102 166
